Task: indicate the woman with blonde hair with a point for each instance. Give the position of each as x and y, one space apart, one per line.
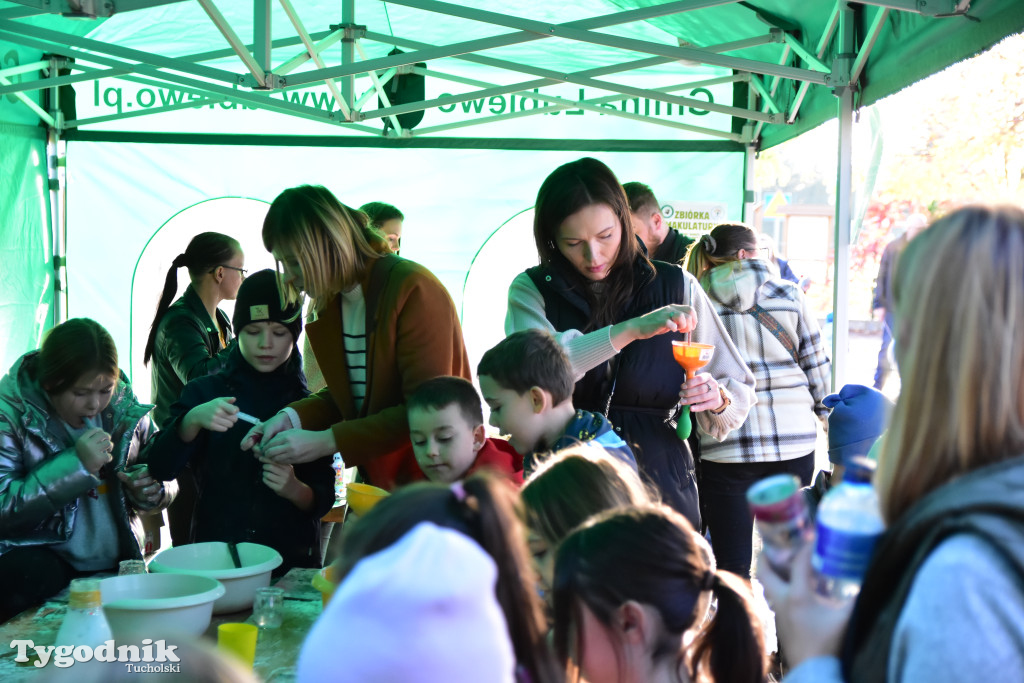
777 336
943 598
383 325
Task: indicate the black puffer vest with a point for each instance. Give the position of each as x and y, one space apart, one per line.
642 381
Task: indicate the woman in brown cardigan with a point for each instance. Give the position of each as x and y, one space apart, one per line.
383 325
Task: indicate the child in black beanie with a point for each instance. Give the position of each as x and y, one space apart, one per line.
240 498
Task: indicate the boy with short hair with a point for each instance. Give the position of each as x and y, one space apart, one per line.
446 427
527 382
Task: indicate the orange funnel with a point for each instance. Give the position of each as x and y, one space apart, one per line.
691 355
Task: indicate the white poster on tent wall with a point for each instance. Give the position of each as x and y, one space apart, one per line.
694 219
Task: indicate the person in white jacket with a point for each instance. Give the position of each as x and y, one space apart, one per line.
777 335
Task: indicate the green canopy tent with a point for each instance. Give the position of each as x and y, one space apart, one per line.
117 116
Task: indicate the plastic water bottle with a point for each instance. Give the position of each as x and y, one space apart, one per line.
849 525
339 479
85 622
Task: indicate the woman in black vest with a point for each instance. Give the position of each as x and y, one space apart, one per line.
616 313
189 339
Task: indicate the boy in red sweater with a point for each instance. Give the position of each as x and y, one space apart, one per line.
446 427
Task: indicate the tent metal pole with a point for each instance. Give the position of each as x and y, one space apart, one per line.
240 48
841 280
844 193
293 16
298 60
60 42
24 68
516 38
826 37
348 55
379 87
869 43
547 76
383 79
58 223
39 111
261 34
570 32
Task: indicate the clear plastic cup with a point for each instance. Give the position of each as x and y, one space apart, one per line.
268 607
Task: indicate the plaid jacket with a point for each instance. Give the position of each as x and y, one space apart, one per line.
781 424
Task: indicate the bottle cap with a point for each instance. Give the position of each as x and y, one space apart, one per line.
859 470
85 593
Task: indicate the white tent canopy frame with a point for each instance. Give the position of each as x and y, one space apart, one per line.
255 77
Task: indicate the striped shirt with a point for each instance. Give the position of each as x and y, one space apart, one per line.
781 425
353 325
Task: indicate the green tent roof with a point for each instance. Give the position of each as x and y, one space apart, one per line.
779 56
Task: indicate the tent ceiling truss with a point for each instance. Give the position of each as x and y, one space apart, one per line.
90 60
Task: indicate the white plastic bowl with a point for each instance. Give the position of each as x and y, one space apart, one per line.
158 605
214 561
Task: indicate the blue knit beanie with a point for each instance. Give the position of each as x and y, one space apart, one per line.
859 415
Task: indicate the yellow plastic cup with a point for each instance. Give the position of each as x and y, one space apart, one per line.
239 640
324 581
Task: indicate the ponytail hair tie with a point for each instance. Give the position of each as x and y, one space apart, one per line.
179 260
710 245
468 501
708 582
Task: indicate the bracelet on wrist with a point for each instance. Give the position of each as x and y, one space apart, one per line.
726 402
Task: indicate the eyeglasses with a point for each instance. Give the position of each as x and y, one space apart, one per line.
243 271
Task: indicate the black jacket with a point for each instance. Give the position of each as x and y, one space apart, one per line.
644 375
233 503
673 249
187 346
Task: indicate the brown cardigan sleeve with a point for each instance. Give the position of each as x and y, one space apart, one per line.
417 337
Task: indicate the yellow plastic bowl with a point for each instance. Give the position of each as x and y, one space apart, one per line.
362 497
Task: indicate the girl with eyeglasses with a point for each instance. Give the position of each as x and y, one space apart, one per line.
189 339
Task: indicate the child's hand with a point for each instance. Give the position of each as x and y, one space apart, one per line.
281 480
140 486
218 415
93 449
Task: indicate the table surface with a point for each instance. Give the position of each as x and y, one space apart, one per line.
276 649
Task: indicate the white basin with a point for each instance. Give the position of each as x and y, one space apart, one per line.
214 561
158 606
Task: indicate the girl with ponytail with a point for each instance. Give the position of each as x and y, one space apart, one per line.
185 335
777 335
189 339
631 593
